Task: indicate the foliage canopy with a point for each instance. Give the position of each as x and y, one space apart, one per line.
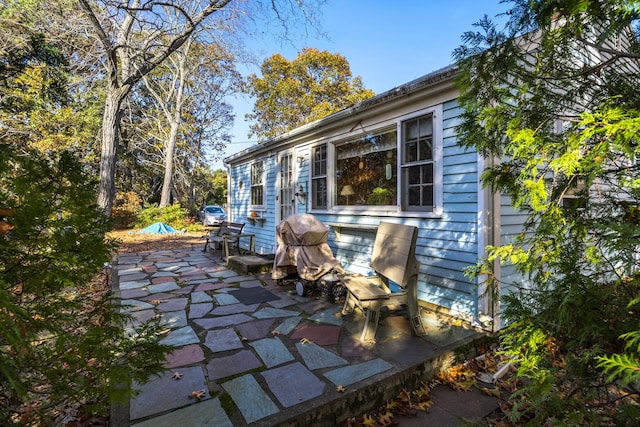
551 101
292 93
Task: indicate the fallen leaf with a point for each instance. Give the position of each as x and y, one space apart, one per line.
155 301
177 375
341 389
424 406
386 419
494 392
200 394
276 332
306 341
367 420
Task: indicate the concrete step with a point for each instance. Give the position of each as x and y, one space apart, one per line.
255 264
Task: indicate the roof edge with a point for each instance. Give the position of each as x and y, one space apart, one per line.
430 79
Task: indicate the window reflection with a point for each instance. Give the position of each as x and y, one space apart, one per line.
366 170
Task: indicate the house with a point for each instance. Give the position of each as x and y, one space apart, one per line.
395 157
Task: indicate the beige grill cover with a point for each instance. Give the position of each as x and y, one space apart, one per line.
303 249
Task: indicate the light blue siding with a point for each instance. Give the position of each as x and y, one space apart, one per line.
511 225
446 245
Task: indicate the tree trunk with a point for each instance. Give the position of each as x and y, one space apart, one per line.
110 138
165 197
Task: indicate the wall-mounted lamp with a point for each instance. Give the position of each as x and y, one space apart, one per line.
301 194
300 159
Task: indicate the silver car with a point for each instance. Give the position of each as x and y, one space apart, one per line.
213 215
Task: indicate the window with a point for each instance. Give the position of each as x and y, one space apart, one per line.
257 185
366 170
417 166
395 168
319 176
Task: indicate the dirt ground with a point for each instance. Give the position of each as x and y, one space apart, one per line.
131 241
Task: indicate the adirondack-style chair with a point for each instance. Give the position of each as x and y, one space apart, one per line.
393 258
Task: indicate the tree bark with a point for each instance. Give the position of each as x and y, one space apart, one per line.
111 119
165 198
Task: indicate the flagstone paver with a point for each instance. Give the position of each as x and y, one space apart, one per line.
200 296
269 312
234 309
316 357
331 315
272 351
164 393
163 279
174 319
222 340
163 274
199 310
221 322
182 291
174 304
288 325
224 299
226 366
180 337
251 399
134 293
134 284
135 305
128 271
187 355
284 301
255 330
202 414
319 334
162 287
353 373
293 384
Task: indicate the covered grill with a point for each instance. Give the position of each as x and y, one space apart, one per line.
303 249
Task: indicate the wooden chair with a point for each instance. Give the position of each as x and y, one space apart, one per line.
393 258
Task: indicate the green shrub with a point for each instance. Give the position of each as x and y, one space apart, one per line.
63 336
173 215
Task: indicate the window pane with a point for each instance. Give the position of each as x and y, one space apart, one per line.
256 195
414 175
366 170
426 152
320 160
426 127
414 196
427 195
319 192
411 130
427 174
410 152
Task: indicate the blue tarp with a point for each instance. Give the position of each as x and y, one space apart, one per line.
158 228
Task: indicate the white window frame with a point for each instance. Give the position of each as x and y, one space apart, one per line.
326 176
437 149
438 202
255 184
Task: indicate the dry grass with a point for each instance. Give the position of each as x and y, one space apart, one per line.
130 241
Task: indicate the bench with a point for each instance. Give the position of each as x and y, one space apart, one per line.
217 237
393 259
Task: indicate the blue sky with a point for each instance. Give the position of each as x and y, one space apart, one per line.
387 43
